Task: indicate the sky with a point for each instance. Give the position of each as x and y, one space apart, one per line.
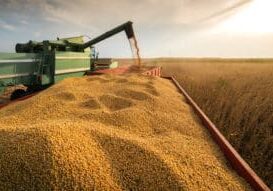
176 28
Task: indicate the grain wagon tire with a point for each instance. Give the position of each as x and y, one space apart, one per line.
17 94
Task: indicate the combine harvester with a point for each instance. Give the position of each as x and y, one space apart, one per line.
38 65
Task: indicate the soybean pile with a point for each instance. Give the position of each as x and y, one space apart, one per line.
110 132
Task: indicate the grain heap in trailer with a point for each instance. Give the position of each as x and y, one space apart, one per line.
126 128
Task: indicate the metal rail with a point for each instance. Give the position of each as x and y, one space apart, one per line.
18 61
68 71
231 154
7 76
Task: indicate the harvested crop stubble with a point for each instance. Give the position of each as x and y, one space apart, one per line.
108 132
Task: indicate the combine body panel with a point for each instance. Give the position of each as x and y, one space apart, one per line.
19 68
37 70
106 63
68 64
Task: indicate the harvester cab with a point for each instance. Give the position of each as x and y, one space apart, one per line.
38 65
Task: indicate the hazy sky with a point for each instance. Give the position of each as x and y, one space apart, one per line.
182 28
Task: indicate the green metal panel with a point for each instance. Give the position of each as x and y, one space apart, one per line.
76 39
113 65
47 70
71 62
63 76
17 68
17 56
25 68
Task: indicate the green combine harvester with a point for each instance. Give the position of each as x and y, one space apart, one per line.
38 65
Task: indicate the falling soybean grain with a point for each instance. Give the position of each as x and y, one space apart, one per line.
135 50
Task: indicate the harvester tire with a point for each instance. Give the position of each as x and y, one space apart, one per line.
17 94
